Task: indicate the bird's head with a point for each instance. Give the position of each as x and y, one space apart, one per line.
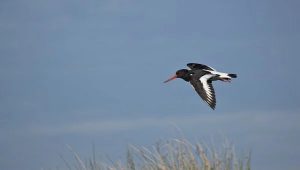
183 74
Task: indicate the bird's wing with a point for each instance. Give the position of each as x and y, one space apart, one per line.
203 86
195 66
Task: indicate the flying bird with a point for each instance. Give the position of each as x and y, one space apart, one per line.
201 76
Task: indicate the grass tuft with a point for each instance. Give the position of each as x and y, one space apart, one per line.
174 154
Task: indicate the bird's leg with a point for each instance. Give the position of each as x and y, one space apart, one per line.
226 80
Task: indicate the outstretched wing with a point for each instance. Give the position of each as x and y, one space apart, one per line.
203 86
196 66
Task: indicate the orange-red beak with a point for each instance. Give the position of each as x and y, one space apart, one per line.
172 78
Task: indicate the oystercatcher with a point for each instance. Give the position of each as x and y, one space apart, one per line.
201 76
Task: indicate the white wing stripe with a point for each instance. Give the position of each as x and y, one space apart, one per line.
206 87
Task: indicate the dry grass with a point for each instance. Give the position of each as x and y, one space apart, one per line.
174 154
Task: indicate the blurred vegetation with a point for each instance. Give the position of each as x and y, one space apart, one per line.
174 154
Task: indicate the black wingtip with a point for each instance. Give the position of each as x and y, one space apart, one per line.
232 75
211 105
191 64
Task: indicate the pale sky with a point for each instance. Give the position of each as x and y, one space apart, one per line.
82 72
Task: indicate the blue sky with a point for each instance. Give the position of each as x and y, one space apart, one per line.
82 72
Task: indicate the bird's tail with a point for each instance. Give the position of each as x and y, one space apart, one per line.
232 75
226 77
